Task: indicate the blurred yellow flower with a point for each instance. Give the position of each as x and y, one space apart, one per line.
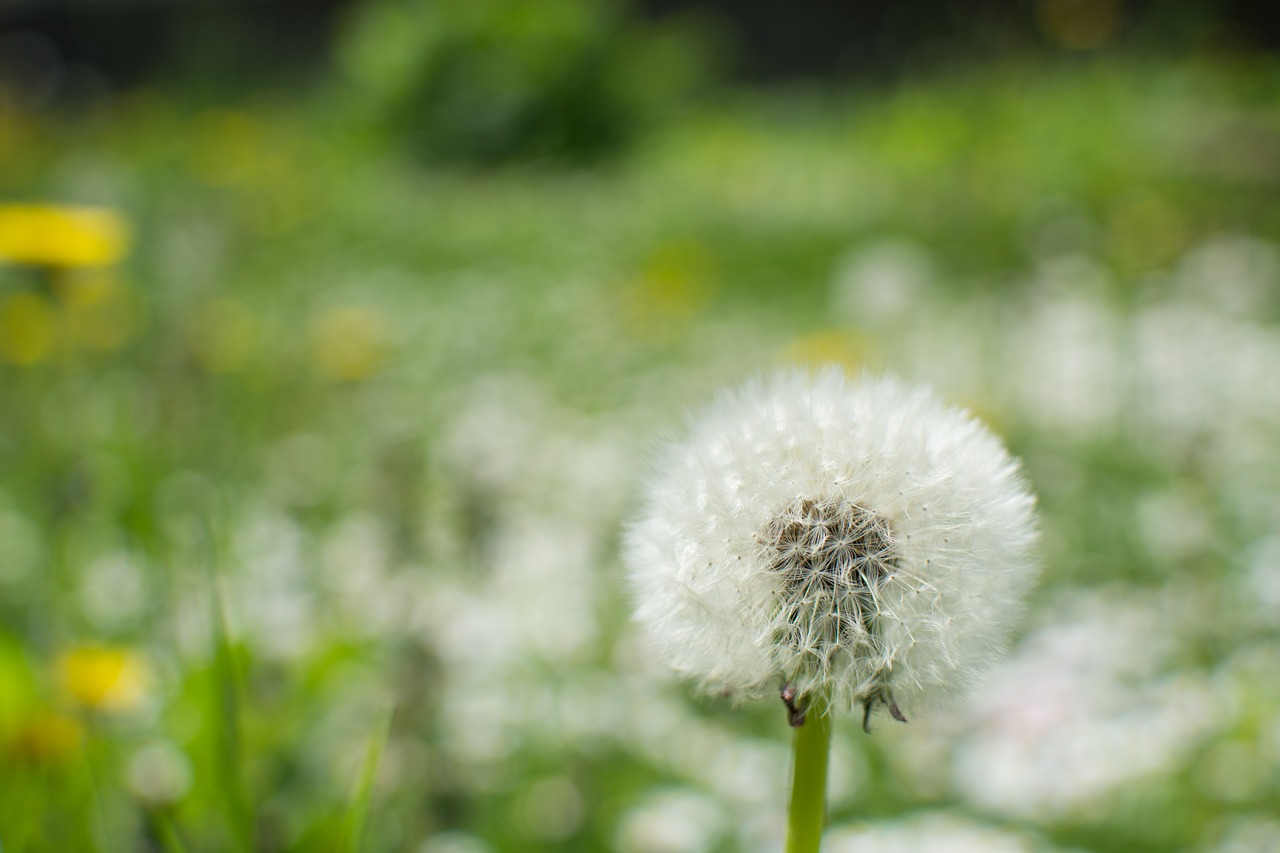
676 283
348 343
28 328
46 737
848 349
104 678
49 236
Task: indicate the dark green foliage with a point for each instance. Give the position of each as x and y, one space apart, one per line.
504 80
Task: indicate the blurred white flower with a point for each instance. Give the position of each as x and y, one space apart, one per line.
930 833
672 821
1063 360
159 773
454 841
1261 586
549 809
880 284
1247 833
1229 274
811 531
1033 748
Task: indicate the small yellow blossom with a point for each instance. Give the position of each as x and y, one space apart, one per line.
675 284
848 349
348 343
58 237
104 678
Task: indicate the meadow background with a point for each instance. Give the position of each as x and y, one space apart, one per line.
327 380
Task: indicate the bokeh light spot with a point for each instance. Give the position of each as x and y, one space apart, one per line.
348 343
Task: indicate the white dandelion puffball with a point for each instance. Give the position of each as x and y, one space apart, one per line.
852 539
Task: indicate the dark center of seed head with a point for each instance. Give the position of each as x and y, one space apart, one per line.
831 546
832 555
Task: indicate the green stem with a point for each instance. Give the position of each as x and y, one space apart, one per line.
810 749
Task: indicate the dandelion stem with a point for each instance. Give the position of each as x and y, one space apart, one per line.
810 747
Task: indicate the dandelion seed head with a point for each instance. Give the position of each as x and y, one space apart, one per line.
852 536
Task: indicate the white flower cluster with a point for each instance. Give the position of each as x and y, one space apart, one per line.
823 536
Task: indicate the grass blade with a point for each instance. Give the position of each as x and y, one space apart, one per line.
227 709
358 812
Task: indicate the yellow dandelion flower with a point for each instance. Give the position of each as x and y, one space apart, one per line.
58 237
348 343
46 737
104 678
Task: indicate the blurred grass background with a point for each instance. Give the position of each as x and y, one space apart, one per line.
333 338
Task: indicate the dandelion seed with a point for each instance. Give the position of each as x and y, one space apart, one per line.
852 542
